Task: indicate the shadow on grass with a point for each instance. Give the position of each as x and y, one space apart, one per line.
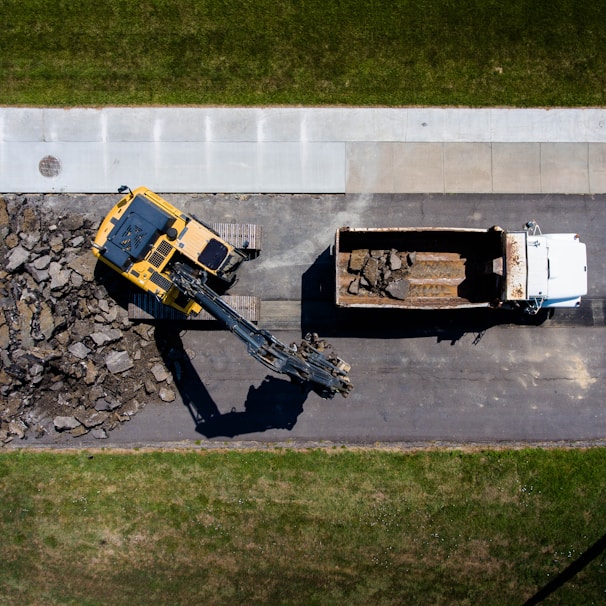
569 572
275 404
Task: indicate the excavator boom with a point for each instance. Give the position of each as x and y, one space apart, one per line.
310 362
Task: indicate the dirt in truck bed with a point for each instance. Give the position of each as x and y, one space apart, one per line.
437 268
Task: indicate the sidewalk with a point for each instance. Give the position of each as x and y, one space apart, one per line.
303 150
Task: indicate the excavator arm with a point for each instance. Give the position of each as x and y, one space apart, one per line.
310 362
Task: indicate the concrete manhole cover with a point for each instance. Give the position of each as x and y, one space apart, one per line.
50 166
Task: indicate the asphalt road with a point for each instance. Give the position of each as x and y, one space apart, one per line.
418 377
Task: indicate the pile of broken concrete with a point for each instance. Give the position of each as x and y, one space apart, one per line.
380 272
71 361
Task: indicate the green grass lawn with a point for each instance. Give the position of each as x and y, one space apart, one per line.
311 52
291 527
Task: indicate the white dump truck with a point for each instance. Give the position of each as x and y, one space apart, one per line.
451 268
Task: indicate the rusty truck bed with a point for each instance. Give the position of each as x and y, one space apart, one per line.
418 268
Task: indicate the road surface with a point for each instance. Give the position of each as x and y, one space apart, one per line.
418 377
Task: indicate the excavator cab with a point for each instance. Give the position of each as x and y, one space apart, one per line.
143 236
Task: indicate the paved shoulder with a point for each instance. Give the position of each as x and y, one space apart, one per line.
297 150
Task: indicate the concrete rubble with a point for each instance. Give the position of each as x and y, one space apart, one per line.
381 273
71 361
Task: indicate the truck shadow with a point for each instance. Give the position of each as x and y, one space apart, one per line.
275 404
320 314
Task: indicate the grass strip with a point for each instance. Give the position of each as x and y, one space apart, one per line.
290 527
311 52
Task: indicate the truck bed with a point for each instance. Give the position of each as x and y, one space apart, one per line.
435 268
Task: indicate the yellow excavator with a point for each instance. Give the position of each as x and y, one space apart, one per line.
179 259
143 236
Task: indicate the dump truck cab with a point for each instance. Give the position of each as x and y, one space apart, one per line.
545 270
144 235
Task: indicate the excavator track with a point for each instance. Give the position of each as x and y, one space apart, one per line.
145 307
247 236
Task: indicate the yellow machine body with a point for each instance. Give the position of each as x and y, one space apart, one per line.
144 235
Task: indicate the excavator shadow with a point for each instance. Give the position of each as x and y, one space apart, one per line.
122 291
320 314
116 287
275 404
